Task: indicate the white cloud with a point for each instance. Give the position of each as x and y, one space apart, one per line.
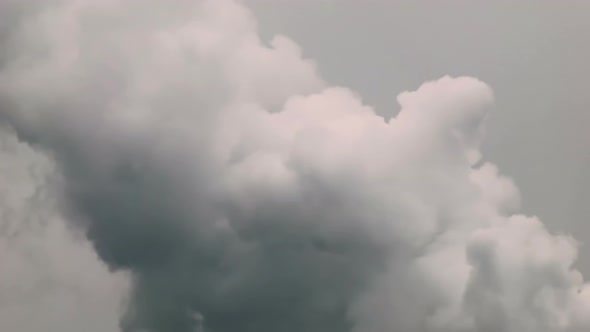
232 181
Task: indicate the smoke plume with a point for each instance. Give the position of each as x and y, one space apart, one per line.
239 191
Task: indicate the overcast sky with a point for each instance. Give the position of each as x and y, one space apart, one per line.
534 54
294 166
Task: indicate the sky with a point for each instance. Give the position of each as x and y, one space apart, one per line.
333 166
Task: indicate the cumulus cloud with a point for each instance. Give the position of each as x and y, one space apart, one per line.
49 278
241 191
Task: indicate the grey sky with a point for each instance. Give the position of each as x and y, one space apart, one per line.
534 54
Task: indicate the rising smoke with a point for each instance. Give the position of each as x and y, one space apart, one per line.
241 192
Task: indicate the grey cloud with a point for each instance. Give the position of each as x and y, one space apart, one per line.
234 184
51 279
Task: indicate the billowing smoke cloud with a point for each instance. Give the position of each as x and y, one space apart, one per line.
244 193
